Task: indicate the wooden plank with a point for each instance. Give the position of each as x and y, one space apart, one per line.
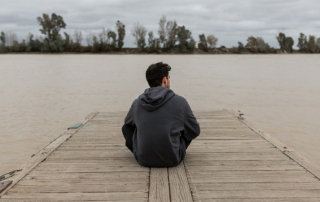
251 173
204 155
238 156
85 168
44 175
197 162
259 194
114 196
225 149
265 135
227 157
229 138
192 185
113 162
97 154
179 186
93 160
257 186
159 185
84 188
4 185
47 200
248 168
251 179
311 167
305 199
42 155
79 181
232 143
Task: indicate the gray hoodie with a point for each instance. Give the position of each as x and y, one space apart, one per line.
161 118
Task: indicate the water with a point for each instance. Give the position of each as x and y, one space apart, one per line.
41 95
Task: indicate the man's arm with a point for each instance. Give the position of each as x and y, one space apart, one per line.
128 128
191 126
129 120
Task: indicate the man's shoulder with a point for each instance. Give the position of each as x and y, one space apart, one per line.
179 98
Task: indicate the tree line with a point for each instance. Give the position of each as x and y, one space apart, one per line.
171 38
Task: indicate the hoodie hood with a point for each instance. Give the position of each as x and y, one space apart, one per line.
155 97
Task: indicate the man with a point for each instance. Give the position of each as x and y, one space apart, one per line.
160 124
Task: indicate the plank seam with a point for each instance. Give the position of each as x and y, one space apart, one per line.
149 184
41 155
306 164
169 184
193 189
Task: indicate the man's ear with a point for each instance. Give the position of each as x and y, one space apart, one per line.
164 80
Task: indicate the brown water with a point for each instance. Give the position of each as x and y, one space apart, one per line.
41 95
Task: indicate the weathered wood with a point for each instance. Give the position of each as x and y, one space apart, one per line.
311 167
197 162
159 185
230 161
86 181
282 199
226 149
85 168
251 173
113 196
275 167
179 186
87 188
44 175
265 135
192 185
257 186
55 200
42 155
251 179
4 185
260 194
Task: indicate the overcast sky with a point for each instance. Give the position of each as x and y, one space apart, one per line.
230 20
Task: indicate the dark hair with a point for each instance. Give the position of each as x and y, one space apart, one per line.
156 72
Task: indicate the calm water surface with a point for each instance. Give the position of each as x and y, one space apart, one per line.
41 95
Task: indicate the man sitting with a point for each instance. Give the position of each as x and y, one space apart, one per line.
160 124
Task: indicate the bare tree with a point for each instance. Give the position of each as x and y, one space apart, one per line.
89 39
162 29
11 38
103 36
212 41
78 36
139 32
171 32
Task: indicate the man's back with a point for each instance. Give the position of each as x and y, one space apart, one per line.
164 123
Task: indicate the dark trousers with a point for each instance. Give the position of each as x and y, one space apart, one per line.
128 130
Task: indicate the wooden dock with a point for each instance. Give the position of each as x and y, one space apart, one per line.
231 160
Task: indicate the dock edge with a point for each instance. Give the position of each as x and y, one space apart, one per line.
291 153
44 153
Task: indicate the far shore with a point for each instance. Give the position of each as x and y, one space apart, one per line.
226 51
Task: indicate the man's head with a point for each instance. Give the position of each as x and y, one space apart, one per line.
158 75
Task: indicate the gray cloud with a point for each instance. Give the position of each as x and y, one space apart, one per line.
231 21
